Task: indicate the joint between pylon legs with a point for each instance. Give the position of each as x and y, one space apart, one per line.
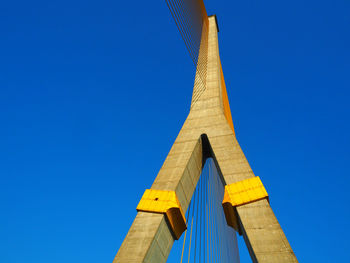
241 193
167 203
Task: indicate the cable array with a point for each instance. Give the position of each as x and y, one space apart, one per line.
192 22
208 238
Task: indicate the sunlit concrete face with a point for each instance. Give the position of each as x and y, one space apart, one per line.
149 238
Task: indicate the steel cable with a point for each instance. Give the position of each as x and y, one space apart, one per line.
191 20
209 238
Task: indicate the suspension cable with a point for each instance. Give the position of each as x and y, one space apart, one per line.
208 238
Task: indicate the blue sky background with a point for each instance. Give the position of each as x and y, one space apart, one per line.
93 94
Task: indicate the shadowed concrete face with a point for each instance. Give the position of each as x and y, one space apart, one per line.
149 238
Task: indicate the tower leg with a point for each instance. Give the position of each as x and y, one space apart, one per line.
150 238
262 233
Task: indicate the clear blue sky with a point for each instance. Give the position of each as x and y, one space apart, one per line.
93 94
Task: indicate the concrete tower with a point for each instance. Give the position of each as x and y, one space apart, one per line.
207 132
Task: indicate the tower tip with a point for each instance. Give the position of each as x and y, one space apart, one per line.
216 21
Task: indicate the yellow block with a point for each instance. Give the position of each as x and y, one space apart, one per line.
164 202
245 191
240 193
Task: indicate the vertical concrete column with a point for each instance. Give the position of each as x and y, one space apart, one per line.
150 238
263 234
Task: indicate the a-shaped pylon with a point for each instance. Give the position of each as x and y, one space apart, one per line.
207 132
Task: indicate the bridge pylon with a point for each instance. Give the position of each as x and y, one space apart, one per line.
207 132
